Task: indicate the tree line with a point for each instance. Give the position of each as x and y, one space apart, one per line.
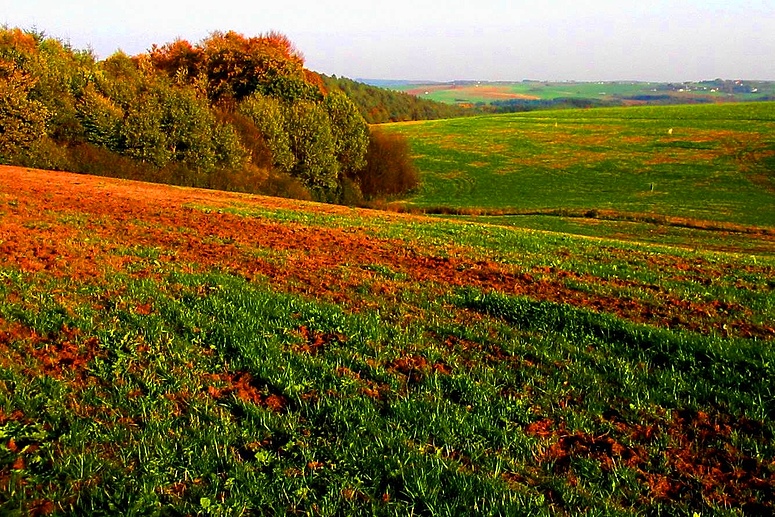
229 112
379 105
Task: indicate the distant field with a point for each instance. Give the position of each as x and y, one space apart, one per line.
173 351
486 92
696 166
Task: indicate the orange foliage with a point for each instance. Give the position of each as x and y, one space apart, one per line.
176 56
314 79
18 39
234 65
281 42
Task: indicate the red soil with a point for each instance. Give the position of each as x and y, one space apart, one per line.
245 388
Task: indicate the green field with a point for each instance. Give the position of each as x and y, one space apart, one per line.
171 351
696 166
471 92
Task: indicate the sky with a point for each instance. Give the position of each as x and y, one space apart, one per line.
487 40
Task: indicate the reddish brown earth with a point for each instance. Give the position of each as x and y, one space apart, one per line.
81 227
245 388
697 461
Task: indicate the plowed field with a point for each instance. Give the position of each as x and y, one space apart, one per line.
188 351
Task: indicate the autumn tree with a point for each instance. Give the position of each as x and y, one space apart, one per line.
225 112
179 60
22 120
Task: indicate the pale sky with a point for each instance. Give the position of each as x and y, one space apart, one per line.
583 40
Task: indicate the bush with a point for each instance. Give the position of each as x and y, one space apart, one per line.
99 161
389 169
44 153
281 184
250 179
350 194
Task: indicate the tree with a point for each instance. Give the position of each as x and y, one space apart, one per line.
237 66
22 120
268 114
313 146
142 136
350 132
179 60
101 119
189 126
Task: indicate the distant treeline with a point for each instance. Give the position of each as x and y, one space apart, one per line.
517 105
379 105
230 112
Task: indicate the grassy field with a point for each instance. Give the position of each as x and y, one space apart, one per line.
177 352
702 167
473 92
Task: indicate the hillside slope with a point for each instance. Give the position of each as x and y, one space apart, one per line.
189 351
708 167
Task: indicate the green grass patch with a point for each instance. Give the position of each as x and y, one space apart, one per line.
205 394
697 164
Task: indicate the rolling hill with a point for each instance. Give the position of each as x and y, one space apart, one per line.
181 351
616 171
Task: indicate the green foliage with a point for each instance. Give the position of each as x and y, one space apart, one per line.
268 116
191 130
119 79
63 75
142 135
251 139
229 152
101 118
350 132
379 105
313 145
291 89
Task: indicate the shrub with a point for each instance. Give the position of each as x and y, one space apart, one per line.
249 179
99 161
389 169
44 153
281 184
350 194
